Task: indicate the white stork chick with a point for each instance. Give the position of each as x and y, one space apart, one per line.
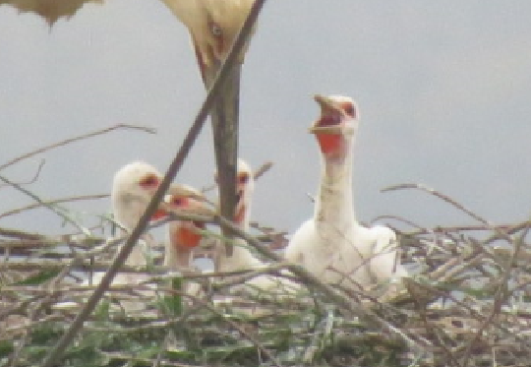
184 235
241 258
333 245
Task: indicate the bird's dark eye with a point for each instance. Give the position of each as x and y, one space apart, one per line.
243 178
178 201
350 110
216 30
149 181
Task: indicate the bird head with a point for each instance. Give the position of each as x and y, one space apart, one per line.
133 188
215 31
185 233
336 126
244 191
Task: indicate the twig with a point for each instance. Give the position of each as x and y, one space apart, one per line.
74 139
242 331
441 196
499 298
451 201
60 213
309 278
32 180
9 232
53 202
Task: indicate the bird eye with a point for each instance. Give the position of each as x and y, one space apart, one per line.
149 181
243 178
216 30
349 110
177 201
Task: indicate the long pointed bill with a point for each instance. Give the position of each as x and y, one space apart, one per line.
198 209
225 122
178 190
185 191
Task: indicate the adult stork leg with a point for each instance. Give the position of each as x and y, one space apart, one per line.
225 123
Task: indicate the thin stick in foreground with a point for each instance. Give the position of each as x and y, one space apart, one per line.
175 166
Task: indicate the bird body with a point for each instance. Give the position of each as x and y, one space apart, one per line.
213 25
333 245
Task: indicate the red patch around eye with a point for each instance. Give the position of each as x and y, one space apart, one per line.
179 202
149 182
186 237
159 214
243 178
329 143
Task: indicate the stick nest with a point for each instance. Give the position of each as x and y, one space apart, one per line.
467 304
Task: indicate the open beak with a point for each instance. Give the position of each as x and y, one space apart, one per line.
328 106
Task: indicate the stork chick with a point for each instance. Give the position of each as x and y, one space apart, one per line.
241 258
333 245
213 26
184 236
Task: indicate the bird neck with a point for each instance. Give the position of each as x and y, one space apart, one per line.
183 238
334 203
243 215
128 209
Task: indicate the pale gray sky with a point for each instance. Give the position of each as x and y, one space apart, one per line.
444 90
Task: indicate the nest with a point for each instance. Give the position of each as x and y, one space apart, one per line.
466 304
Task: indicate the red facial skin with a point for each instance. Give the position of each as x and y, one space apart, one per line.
159 214
186 235
333 145
149 182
